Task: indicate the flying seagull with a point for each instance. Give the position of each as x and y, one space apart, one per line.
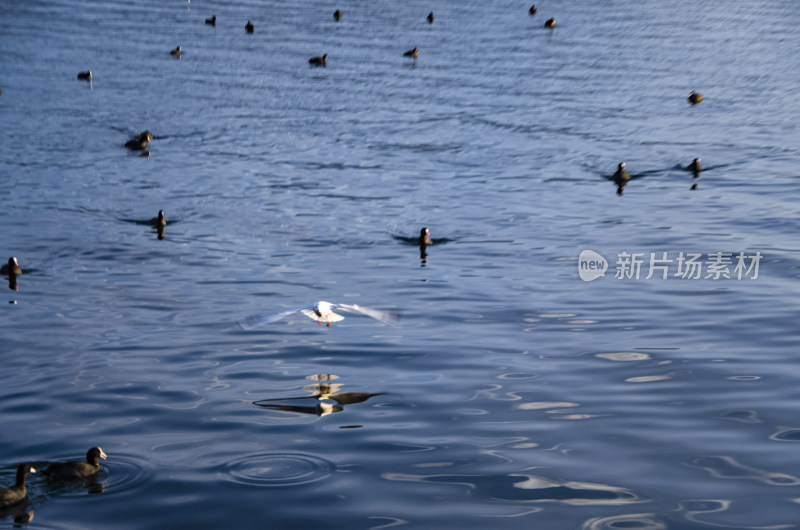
321 312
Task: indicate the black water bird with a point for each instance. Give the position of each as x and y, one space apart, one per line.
12 268
695 98
319 61
140 142
212 21
621 178
430 17
621 175
176 52
67 471
423 241
550 23
249 28
695 167
425 237
412 53
86 76
337 15
532 10
158 221
16 493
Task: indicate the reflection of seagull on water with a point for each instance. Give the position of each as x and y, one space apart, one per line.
325 392
321 312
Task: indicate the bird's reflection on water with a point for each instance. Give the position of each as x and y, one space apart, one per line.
319 400
18 512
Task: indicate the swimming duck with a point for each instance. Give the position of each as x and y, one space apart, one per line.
430 17
412 53
140 142
249 28
425 237
621 177
695 98
176 51
321 312
65 471
695 167
16 493
12 268
85 75
160 220
337 15
212 21
550 23
532 10
319 61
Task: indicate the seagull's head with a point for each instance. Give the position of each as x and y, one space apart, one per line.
322 308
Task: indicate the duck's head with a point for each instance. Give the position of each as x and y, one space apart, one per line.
13 263
161 219
22 470
94 453
424 232
621 166
324 57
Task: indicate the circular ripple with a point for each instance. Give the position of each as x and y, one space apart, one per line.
633 521
279 469
122 473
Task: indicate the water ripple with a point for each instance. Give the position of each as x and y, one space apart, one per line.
728 468
630 521
279 469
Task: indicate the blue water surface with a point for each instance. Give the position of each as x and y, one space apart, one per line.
512 394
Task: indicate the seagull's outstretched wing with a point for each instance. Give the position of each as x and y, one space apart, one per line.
387 318
258 321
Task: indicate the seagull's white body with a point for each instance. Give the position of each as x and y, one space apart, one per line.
321 312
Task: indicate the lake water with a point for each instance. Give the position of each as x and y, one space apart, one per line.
512 394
